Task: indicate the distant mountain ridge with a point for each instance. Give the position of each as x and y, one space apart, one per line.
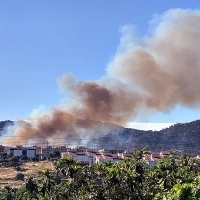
5 123
182 136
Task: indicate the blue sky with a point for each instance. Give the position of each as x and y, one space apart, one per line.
42 40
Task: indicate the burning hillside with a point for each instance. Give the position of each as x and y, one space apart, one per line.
148 75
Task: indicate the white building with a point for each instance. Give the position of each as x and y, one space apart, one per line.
101 158
30 152
92 157
83 157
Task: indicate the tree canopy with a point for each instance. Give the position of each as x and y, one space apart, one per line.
132 179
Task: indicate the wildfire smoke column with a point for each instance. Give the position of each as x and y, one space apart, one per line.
146 75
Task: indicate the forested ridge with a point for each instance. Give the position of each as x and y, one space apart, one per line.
5 123
184 137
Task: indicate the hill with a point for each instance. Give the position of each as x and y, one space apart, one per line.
29 168
182 136
4 124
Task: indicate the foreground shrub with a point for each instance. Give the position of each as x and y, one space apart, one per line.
19 177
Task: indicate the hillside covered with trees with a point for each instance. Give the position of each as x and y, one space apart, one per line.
4 124
184 137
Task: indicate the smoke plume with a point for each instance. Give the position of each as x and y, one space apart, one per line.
146 75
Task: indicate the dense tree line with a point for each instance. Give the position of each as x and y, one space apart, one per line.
132 179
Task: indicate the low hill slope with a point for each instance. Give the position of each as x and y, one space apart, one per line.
5 123
182 136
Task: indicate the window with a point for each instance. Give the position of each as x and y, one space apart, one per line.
24 152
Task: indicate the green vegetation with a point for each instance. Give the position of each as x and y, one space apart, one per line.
19 176
8 160
132 179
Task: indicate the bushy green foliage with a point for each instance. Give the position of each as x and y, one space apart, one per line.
19 176
132 179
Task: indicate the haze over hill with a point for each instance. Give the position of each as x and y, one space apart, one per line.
184 137
149 126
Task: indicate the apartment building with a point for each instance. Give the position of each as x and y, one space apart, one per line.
84 157
94 157
30 152
46 151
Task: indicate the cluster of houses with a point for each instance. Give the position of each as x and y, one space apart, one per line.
91 157
83 154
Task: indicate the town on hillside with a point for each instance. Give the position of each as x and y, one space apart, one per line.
85 155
